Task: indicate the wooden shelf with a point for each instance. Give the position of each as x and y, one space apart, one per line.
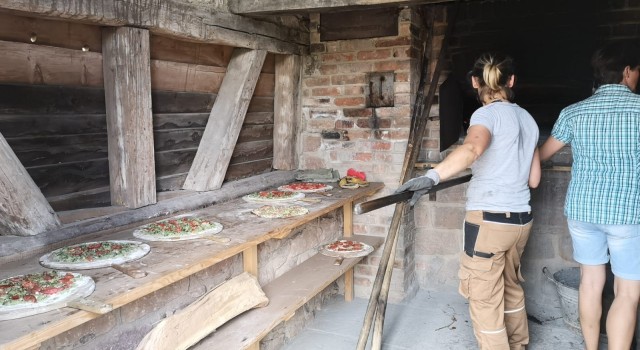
168 262
286 294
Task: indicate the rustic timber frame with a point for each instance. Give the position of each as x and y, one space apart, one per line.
173 19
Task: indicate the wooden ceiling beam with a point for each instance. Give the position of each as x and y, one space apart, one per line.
169 18
261 7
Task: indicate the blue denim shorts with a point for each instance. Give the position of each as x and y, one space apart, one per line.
595 244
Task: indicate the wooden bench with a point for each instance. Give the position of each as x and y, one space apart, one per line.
286 294
170 262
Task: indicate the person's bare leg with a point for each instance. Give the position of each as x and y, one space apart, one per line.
592 278
621 320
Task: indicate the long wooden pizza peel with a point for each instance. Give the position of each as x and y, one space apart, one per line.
378 203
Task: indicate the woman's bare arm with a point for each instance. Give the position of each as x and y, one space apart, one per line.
549 148
477 140
536 171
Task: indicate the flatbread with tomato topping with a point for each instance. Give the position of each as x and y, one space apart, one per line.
180 228
344 248
35 293
273 196
305 187
93 255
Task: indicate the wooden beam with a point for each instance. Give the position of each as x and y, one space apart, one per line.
170 18
23 209
127 77
286 113
225 121
255 7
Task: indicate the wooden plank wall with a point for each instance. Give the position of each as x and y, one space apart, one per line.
52 109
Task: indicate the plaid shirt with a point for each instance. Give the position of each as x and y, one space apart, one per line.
604 133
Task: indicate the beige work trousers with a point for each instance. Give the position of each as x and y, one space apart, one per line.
492 284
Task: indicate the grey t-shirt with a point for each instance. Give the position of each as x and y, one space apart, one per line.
500 179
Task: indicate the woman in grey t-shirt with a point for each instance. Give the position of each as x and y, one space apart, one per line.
500 148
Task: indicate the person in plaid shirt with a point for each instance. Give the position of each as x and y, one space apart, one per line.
603 199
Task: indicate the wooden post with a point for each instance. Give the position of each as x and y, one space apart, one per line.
250 260
127 86
225 121
24 211
347 222
286 114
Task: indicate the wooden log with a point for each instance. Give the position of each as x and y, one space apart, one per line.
129 120
286 111
25 211
212 310
225 121
254 7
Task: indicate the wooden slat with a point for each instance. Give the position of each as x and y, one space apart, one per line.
25 211
169 18
227 115
35 64
174 76
56 180
51 150
169 49
359 24
286 111
250 133
258 118
261 104
286 294
18 99
243 170
15 126
129 119
50 32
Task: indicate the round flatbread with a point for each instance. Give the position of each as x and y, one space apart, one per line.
345 248
273 196
35 293
180 228
305 187
280 211
93 255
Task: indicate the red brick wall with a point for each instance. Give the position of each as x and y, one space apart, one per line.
341 132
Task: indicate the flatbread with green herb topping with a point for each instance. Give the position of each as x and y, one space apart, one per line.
180 228
93 255
35 293
280 211
273 196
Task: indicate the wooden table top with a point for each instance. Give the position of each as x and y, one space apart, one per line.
167 262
